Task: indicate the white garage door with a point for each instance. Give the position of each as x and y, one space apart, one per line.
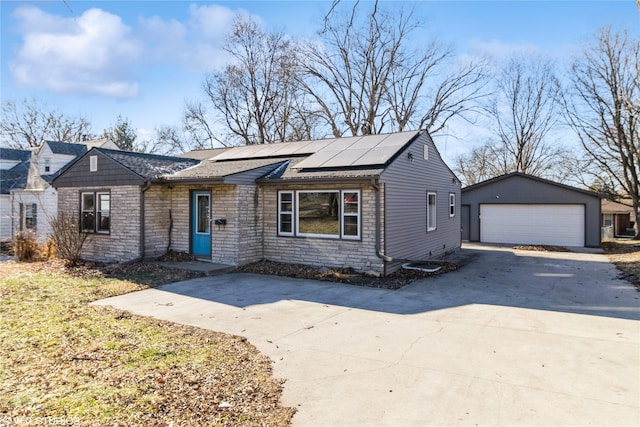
532 224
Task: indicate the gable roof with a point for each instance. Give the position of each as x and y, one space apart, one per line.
148 166
531 177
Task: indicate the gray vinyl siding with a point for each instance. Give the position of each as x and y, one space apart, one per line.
518 189
407 182
109 173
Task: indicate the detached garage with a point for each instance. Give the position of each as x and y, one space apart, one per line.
523 209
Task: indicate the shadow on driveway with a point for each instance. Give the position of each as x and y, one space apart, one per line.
580 283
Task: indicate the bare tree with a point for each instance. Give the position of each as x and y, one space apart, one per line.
602 106
364 77
256 95
29 123
524 111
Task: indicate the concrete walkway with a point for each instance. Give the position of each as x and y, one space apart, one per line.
512 338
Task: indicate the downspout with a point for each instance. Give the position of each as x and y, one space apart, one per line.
147 185
379 252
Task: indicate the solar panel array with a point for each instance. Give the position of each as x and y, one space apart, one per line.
328 153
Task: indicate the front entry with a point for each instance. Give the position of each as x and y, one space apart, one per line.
201 223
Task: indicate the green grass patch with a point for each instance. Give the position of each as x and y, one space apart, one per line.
62 359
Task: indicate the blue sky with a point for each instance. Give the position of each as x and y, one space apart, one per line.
143 59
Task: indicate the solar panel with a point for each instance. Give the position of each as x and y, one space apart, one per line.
328 153
358 151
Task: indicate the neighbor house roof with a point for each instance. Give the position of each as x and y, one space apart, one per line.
15 154
524 175
611 207
14 178
148 166
66 148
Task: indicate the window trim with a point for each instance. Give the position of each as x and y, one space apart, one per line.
342 214
433 211
96 211
283 212
452 205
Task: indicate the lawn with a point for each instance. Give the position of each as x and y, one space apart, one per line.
64 362
625 254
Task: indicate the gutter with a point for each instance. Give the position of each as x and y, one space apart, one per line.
316 180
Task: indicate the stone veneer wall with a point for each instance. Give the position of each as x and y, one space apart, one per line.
157 206
123 242
358 254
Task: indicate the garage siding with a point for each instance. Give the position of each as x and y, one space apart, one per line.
522 189
532 224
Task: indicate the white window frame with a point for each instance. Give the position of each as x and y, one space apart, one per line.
342 214
345 214
432 213
284 212
452 205
607 217
93 163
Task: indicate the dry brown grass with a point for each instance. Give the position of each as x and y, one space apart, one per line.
625 254
66 362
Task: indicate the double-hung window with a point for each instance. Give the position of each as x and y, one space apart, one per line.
324 214
285 213
95 212
431 211
28 216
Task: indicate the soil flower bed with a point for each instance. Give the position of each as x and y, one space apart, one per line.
625 254
63 361
395 280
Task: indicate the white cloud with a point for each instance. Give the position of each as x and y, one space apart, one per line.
198 42
97 53
501 50
90 54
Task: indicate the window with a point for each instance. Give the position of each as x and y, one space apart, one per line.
608 220
325 214
350 214
431 211
318 214
95 212
452 205
47 165
285 213
29 216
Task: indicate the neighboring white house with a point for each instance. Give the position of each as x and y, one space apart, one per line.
34 205
14 165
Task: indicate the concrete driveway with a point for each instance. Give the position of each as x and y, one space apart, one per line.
511 338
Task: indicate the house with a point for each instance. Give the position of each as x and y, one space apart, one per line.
14 167
36 203
618 216
367 202
524 209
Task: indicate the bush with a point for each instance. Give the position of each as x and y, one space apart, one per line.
67 237
26 246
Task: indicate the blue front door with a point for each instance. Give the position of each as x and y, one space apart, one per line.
201 223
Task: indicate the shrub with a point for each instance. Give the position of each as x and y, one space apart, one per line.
67 237
26 246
